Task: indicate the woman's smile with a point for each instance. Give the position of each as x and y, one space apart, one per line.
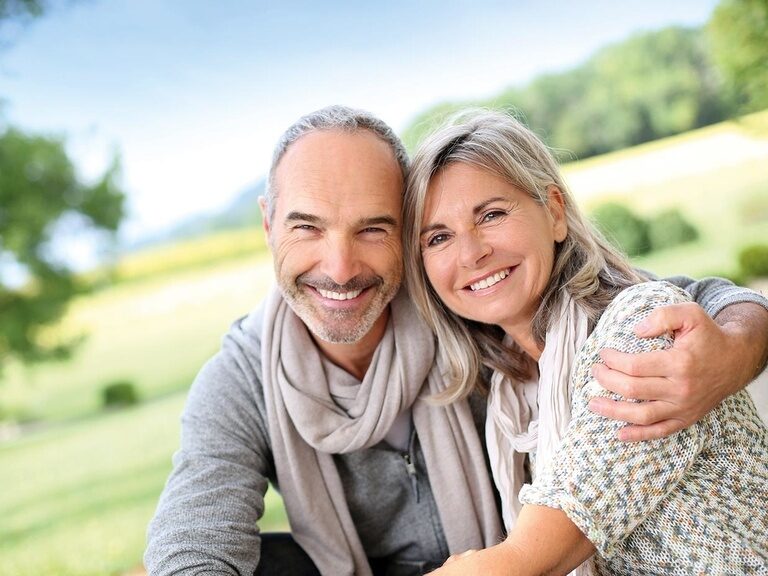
489 281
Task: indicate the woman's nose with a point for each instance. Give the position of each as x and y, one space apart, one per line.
473 248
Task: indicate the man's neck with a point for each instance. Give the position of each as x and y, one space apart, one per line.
355 358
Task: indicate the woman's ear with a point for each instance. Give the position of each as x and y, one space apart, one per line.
556 207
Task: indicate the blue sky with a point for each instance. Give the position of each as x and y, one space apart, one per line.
194 94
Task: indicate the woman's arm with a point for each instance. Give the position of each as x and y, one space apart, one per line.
544 541
605 486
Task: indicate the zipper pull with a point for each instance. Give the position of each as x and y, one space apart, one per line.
410 467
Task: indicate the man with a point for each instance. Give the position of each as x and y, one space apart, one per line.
321 390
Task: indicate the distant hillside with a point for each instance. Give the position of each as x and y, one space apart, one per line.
652 85
242 212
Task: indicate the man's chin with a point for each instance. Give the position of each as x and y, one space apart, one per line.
336 333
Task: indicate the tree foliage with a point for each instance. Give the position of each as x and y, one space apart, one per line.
40 193
10 9
650 86
739 34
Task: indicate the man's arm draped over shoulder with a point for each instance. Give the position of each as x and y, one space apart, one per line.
710 360
207 515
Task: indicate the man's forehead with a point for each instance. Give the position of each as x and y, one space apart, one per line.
334 170
336 147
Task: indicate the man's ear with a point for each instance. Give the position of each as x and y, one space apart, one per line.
556 207
264 214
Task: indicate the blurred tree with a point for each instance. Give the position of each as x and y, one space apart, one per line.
14 14
650 86
739 33
20 8
41 197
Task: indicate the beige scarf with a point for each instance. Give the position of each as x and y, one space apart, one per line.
532 417
307 427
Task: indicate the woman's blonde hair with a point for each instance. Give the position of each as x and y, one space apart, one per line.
585 264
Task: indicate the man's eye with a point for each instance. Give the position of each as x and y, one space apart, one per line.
307 227
373 230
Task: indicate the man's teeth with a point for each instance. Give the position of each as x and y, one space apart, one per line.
339 295
490 281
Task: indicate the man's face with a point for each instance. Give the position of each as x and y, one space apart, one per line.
335 232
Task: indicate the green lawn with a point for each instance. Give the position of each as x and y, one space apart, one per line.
79 489
77 497
81 485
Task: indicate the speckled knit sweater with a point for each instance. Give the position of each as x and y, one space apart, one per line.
693 503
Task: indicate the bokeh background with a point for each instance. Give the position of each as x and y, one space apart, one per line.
134 140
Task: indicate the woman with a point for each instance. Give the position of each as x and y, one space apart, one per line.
512 278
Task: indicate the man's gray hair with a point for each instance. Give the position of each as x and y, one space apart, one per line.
333 118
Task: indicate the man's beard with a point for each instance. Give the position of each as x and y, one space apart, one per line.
339 326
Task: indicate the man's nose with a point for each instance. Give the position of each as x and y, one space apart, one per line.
472 248
341 260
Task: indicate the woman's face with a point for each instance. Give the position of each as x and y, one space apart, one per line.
488 247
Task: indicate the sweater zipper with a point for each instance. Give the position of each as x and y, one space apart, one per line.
410 466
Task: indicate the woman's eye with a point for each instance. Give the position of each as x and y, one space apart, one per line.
437 239
492 215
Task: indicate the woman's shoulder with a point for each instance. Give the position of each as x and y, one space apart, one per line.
648 295
636 302
658 292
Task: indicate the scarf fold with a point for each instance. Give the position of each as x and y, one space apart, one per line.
533 416
307 427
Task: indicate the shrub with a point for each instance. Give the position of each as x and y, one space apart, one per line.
670 228
119 394
754 260
623 228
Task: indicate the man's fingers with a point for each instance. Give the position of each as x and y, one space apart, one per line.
654 431
648 420
669 318
616 381
654 363
643 413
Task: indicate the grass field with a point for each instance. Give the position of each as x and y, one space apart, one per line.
155 333
79 491
82 493
79 484
717 176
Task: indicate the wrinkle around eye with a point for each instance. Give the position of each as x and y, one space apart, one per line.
493 215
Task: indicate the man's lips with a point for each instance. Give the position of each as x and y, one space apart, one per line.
489 280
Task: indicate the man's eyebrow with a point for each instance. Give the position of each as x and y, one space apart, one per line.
378 220
297 216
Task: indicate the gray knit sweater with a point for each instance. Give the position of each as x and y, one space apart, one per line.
207 518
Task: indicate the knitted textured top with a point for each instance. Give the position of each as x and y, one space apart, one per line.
693 503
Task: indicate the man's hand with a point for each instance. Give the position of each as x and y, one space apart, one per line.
708 361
